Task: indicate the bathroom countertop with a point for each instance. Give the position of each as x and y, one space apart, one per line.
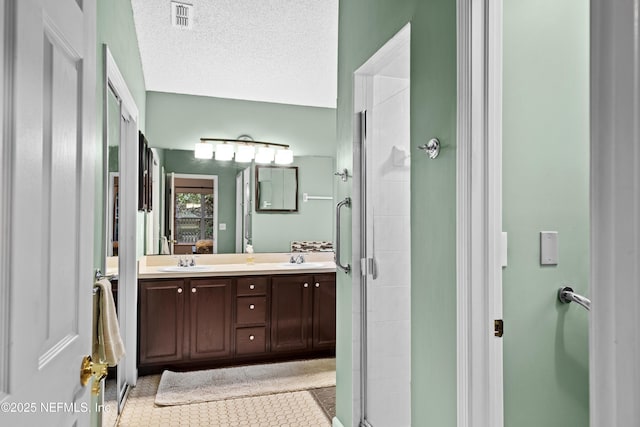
157 272
157 267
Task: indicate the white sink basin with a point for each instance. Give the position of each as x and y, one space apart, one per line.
303 265
191 269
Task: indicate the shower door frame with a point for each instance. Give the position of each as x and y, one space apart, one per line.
362 106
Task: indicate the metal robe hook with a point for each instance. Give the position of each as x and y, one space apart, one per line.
344 174
432 148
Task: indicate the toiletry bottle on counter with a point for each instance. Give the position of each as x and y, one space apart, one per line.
250 257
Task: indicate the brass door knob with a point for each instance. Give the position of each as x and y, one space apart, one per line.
89 369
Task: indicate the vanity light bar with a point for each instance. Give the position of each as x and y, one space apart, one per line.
245 150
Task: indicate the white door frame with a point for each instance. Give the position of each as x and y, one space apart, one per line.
6 173
128 199
614 344
614 327
479 213
214 178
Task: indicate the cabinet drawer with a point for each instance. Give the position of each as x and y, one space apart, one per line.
252 286
251 340
251 310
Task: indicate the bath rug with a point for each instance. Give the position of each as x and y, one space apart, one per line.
183 388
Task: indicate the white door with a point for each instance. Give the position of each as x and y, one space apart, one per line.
47 210
243 210
239 216
246 208
171 213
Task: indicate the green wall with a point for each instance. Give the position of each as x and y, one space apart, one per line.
182 161
179 121
115 27
364 26
546 187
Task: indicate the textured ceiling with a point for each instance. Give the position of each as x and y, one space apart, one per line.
282 51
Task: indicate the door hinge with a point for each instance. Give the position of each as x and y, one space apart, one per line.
498 328
368 266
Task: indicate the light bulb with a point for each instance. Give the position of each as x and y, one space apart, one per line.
224 151
245 153
284 156
265 155
203 150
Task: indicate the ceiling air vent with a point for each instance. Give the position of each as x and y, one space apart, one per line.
181 15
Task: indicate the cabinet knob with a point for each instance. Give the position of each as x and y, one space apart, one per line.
317 285
179 290
251 338
252 287
251 306
193 290
306 285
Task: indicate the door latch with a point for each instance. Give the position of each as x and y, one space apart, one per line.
498 328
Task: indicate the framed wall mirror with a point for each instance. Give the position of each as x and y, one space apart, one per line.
276 189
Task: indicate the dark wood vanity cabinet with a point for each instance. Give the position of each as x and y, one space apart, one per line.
252 315
210 318
161 321
290 312
303 312
184 319
324 311
199 322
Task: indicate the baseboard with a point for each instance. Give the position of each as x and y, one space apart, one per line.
336 422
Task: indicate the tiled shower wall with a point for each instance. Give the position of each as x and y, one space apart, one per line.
388 295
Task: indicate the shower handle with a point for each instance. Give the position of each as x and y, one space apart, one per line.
346 268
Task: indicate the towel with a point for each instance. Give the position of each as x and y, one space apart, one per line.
165 246
107 346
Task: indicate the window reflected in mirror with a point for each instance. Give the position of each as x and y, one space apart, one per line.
194 216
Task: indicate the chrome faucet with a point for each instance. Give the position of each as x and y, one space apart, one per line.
296 259
184 261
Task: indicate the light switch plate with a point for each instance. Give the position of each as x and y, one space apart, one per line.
222 226
548 248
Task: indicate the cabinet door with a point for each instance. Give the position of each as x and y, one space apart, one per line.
161 321
290 312
324 311
210 307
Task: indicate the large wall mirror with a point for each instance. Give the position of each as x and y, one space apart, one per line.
276 189
259 205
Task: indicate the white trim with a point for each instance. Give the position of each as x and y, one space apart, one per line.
117 80
479 213
6 184
214 178
336 422
614 333
128 199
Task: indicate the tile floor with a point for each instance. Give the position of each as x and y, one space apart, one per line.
294 409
